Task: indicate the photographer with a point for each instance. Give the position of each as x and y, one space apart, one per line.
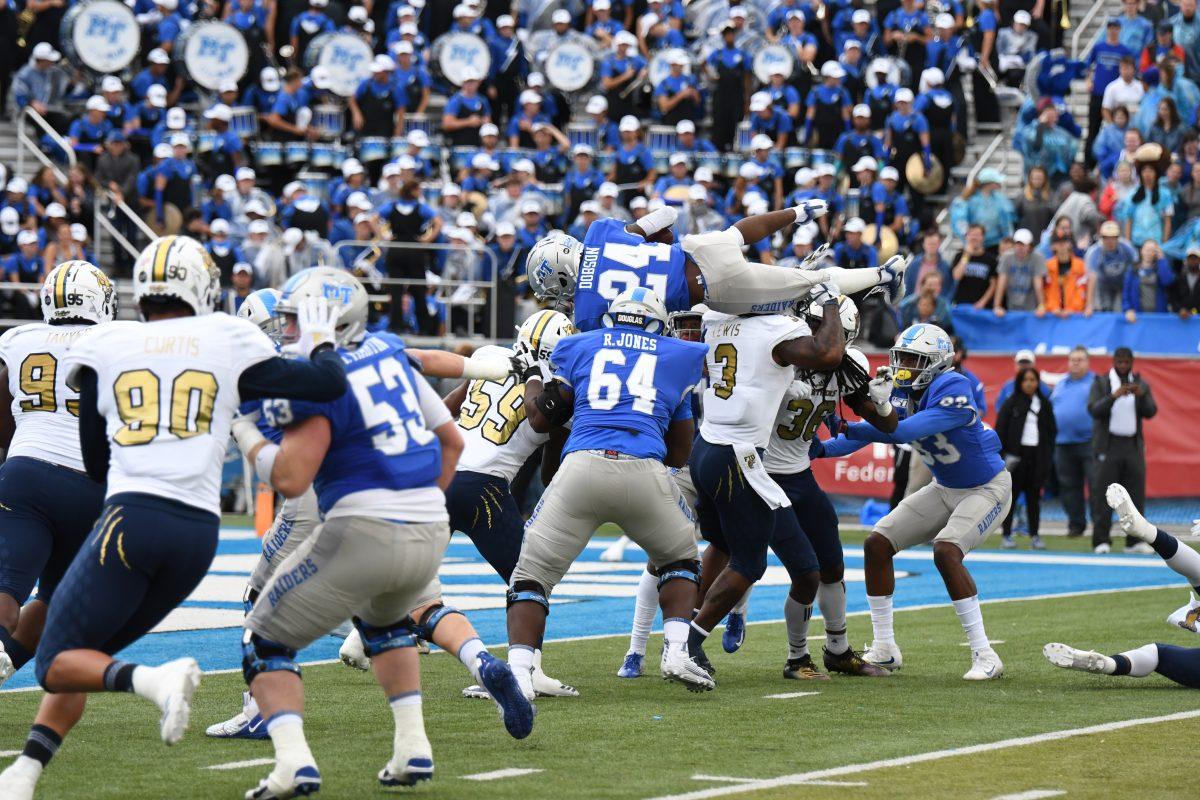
1118 403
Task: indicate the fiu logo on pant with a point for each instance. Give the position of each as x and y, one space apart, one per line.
751 460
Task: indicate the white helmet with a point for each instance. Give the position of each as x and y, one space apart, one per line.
638 307
541 331
921 353
686 324
553 265
78 291
259 308
848 312
177 267
344 291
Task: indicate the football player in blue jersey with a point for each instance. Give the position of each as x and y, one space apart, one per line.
704 268
627 390
968 498
379 458
1180 664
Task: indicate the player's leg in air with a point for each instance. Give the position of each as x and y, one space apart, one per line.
1180 664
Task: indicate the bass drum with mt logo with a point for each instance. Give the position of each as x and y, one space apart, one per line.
101 35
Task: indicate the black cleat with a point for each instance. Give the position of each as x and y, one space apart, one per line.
803 669
702 661
851 663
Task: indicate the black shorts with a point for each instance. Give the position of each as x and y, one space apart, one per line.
483 507
814 511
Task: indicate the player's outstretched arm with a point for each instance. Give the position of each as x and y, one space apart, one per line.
93 432
924 423
321 380
483 364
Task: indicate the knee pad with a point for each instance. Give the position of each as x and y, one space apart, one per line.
389 637
679 570
261 655
430 619
528 590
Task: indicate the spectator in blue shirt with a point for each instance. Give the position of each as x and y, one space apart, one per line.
261 96
1186 27
828 109
1073 444
1137 32
1108 261
169 26
672 188
677 97
88 133
466 112
1104 59
660 35
1146 288
767 119
217 206
413 77
308 25
603 27
155 74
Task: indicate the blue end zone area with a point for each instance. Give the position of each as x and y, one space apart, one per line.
597 598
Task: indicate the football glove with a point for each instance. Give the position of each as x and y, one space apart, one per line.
244 429
880 390
317 319
810 210
815 257
799 389
893 268
823 293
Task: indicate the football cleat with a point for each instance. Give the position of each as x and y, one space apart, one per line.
1140 548
735 632
6 666
303 782
352 653
1102 549
1187 616
175 685
701 658
803 669
246 724
1129 519
632 668
545 686
678 666
884 655
985 666
616 550
1036 542
512 700
413 772
1007 542
1067 657
18 781
851 663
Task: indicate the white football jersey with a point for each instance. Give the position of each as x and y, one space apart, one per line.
497 439
797 423
44 408
745 385
169 391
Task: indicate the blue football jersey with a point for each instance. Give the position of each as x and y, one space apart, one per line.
615 260
378 434
965 456
629 385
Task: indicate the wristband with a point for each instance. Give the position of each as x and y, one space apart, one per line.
264 461
883 409
658 220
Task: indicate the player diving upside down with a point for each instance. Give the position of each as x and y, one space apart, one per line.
1180 664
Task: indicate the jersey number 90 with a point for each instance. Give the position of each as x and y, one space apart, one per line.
188 413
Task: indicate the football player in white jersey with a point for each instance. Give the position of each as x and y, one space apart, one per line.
156 401
816 395
751 364
47 501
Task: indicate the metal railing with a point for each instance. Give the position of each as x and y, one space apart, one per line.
26 142
1096 8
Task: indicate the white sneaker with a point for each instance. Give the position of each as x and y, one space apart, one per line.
544 685
985 666
175 684
19 780
1129 518
352 653
6 666
1186 616
1102 549
1067 657
525 681
616 550
677 665
884 655
1141 548
412 762
286 783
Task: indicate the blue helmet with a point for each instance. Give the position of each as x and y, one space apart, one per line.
920 354
259 308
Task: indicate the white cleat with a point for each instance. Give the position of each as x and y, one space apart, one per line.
284 784
1067 657
19 780
677 665
544 685
176 683
6 666
1187 616
1102 549
524 681
1140 548
352 653
884 655
616 550
985 666
1128 517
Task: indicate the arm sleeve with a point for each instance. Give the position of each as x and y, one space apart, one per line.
93 436
433 408
918 426
321 380
841 446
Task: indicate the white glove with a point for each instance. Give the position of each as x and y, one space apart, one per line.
810 210
880 391
797 390
815 257
893 268
825 293
487 365
245 431
317 319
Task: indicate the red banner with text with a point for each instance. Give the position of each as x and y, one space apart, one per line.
1172 437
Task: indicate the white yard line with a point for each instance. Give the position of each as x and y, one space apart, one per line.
729 779
9 753
253 762
788 695
1032 794
495 775
935 755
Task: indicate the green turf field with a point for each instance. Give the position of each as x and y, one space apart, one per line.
644 738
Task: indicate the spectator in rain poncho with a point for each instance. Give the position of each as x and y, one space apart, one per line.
1044 144
1056 72
1110 141
1166 81
984 204
1146 213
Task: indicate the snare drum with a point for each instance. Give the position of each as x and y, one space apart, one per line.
330 120
605 162
795 157
460 158
373 148
244 122
337 156
731 163
205 141
662 137
295 152
317 183
662 161
267 154
421 122
744 136
321 155
711 160
583 133
819 157
554 199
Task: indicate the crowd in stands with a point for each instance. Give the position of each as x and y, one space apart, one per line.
864 106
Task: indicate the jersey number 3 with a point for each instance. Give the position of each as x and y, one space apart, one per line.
189 413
